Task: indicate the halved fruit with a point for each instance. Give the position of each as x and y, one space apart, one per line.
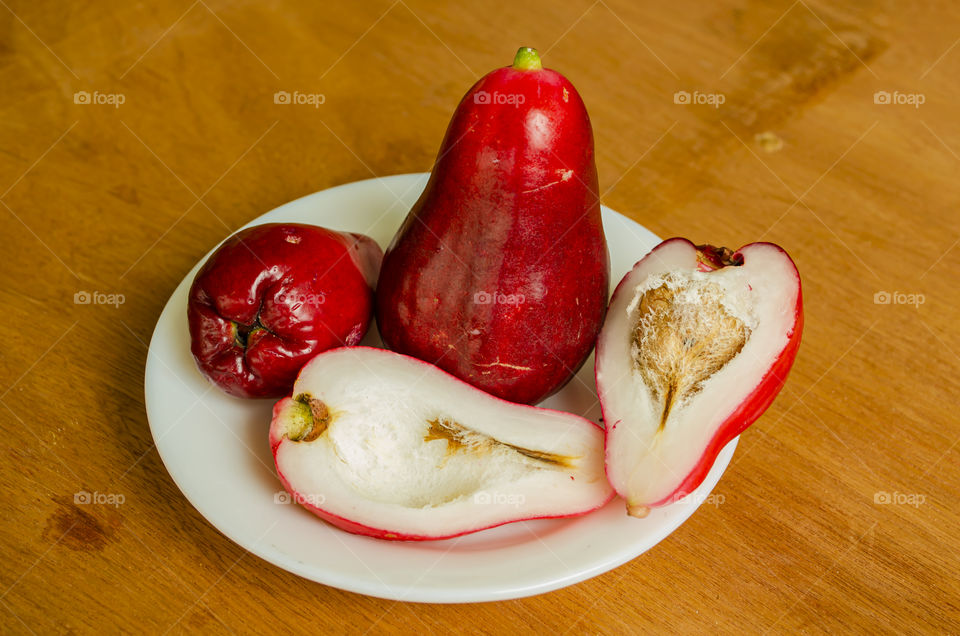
381 444
697 343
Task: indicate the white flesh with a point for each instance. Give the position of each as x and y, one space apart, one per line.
374 467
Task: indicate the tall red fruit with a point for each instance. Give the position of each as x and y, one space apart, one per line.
500 273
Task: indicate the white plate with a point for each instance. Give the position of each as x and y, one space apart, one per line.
215 448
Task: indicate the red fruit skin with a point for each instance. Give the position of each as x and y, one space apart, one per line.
511 208
754 405
381 533
309 288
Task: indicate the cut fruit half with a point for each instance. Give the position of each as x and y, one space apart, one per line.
384 445
697 343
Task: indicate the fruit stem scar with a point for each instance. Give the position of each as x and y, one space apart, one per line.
242 332
318 418
710 258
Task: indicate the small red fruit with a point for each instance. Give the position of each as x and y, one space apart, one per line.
273 296
697 343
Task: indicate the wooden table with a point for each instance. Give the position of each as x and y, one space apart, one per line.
840 508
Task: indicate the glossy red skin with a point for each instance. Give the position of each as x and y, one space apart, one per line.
381 533
754 405
310 288
497 218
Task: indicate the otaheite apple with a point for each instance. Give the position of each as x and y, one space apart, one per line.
697 343
382 444
500 273
273 296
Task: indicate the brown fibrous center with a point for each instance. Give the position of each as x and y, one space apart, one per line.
682 336
461 439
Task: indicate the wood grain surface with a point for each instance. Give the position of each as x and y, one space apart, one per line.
840 508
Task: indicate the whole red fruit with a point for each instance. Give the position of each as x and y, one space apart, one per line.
273 296
500 273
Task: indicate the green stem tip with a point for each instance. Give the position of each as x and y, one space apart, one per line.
527 59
